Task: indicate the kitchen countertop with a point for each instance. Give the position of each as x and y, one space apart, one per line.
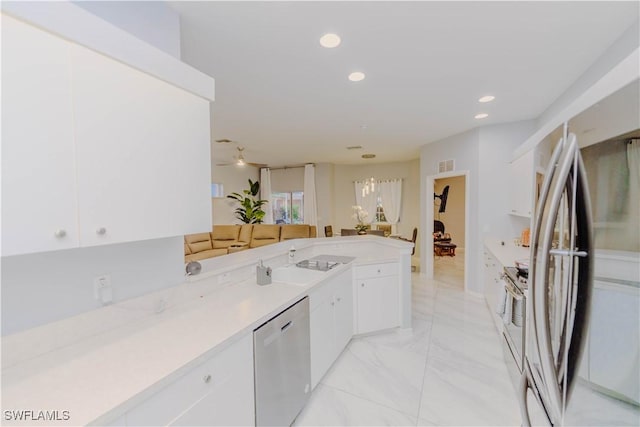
506 254
100 378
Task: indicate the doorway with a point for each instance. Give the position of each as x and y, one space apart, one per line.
447 260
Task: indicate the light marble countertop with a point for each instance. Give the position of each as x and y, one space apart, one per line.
506 253
101 377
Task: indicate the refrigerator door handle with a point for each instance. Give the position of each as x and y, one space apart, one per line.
550 375
535 236
557 372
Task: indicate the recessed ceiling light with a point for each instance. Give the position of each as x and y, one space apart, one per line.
368 156
481 116
356 76
329 40
354 147
487 98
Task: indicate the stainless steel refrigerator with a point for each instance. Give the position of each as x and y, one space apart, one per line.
560 385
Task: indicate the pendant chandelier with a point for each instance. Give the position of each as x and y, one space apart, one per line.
369 186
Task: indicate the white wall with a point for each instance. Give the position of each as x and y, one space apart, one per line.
485 153
50 286
235 179
152 21
453 216
464 149
619 50
325 188
344 191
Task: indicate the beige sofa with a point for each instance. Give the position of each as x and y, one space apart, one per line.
225 239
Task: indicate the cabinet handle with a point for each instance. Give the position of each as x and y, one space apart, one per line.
378 271
339 299
101 231
60 233
362 285
513 210
207 378
333 303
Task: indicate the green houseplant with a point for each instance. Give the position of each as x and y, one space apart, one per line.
250 209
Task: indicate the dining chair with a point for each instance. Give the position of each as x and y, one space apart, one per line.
348 232
376 232
328 231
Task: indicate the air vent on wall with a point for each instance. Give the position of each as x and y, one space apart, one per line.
446 165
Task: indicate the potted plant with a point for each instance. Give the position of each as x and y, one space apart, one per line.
360 215
250 209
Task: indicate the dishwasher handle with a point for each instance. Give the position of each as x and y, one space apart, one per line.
286 326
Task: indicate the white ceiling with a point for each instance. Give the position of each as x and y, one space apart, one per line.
287 100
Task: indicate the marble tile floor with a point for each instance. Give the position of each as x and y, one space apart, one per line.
448 371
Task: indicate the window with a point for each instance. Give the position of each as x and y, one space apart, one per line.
217 190
288 207
379 211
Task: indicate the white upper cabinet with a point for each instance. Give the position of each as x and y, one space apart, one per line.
95 151
521 185
142 150
38 176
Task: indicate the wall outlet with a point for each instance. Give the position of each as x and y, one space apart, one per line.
224 278
102 289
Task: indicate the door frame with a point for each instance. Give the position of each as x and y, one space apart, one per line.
427 242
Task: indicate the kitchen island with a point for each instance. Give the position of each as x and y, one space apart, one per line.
172 357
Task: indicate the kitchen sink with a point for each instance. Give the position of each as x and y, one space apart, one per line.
293 275
318 265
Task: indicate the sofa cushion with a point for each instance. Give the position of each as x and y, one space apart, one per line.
205 254
245 233
224 236
225 232
264 234
294 231
198 242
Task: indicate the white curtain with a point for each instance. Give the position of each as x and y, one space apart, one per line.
265 194
368 202
391 199
310 205
633 162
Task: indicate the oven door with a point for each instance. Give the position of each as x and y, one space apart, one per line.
514 325
514 332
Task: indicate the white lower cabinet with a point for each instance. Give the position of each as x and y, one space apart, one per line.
614 338
217 392
493 287
377 297
330 322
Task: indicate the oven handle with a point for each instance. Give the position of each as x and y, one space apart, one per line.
513 291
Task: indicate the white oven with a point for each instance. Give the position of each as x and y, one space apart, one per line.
514 323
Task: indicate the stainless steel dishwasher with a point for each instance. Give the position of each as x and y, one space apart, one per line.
282 365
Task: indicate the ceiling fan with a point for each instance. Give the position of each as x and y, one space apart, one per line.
239 159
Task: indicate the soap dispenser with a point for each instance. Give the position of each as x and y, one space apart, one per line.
263 274
292 255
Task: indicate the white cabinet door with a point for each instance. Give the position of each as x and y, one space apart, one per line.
330 323
143 161
494 287
342 311
39 211
217 392
614 338
231 400
521 184
377 304
321 341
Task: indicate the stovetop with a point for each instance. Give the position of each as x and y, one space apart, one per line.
519 280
